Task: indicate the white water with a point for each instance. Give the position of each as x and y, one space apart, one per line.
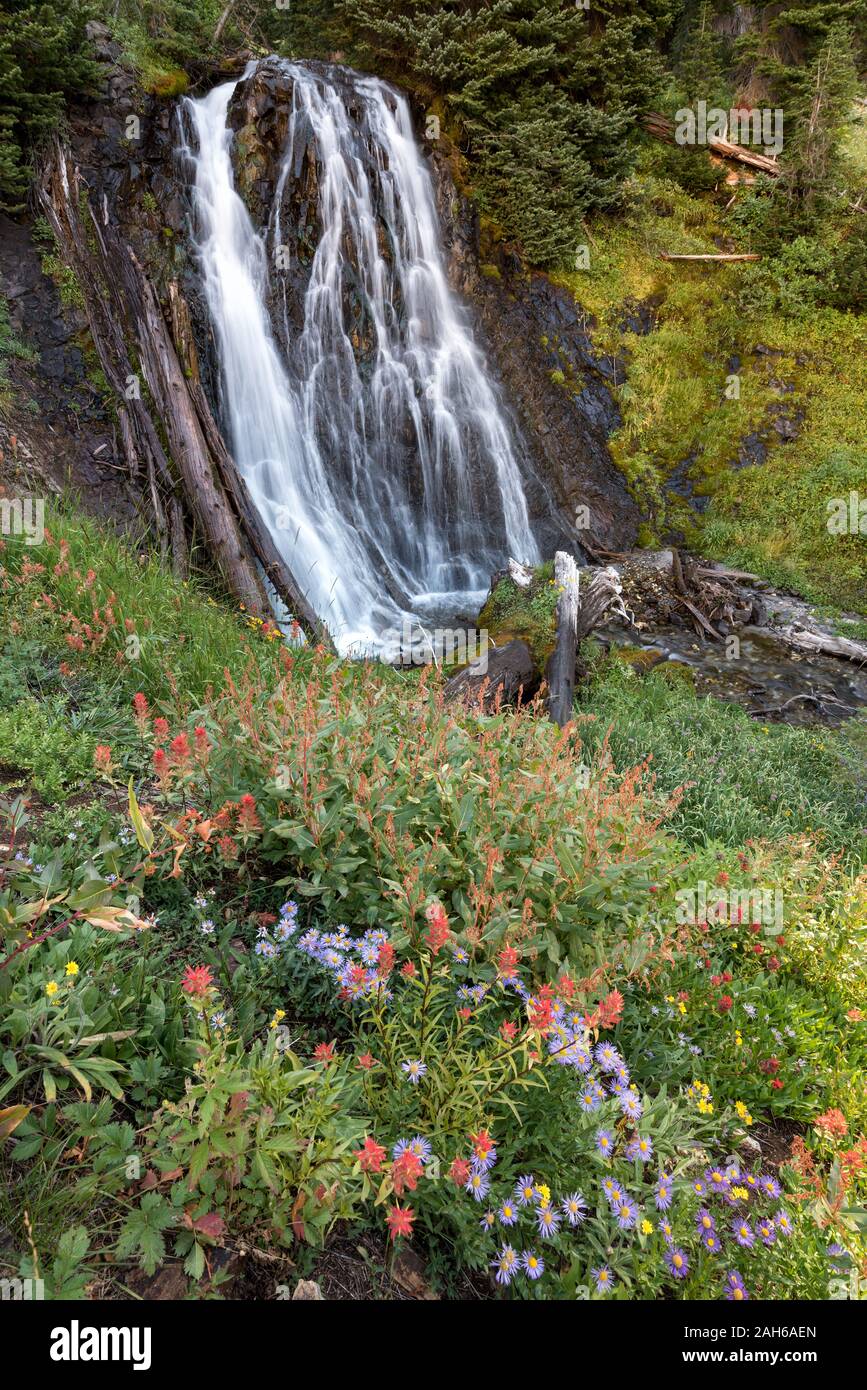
393 491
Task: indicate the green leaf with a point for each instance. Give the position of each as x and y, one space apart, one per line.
144 834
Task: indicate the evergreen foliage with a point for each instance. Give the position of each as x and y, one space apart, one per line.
43 61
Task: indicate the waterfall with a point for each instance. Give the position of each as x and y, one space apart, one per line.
391 479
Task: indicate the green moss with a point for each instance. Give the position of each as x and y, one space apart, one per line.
165 82
527 614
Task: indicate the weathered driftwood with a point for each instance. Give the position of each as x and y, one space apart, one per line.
503 675
132 339
663 129
561 666
520 574
804 640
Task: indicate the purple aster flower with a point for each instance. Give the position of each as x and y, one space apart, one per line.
525 1190
630 1104
663 1192
414 1070
716 1180
767 1232
704 1221
488 1221
641 1147
770 1187
743 1233
626 1213
505 1265
479 1184
783 1222
677 1261
735 1290
603 1278
711 1242
589 1099
574 1208
548 1222
608 1057
665 1230
604 1141
508 1213
532 1264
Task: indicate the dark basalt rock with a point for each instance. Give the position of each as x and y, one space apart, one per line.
558 384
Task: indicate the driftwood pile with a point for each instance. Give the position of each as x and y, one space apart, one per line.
168 433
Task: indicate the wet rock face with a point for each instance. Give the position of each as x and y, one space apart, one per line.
558 385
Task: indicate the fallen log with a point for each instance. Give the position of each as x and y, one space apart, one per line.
804 640
561 666
728 256
661 128
500 676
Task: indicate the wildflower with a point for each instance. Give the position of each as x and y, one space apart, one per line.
735 1290
197 981
507 1214
459 1172
832 1123
677 1261
743 1234
102 757
641 1148
161 766
604 1140
483 1148
525 1191
770 1187
717 1180
574 1208
385 960
602 1278
767 1232
218 1020
507 962
414 1070
161 729
488 1221
630 1104
324 1052
140 709
665 1229
407 969
704 1221
543 1192
370 1156
71 967
438 929
646 1227
591 1099
505 1264
202 743
419 1147
783 1222
399 1221
508 1031
278 1015
51 988
724 1003
626 1213
711 1242
248 821
479 1184
180 750
366 1061
533 1264
548 1222
663 1193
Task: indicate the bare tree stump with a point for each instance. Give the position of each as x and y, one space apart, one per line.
561 667
502 676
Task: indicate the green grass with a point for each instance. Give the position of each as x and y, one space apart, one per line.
677 402
744 780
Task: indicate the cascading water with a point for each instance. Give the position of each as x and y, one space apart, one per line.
388 477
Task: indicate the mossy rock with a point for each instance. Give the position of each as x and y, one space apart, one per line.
528 615
640 659
165 82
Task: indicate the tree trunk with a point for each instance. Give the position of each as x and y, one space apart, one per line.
561 666
502 676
